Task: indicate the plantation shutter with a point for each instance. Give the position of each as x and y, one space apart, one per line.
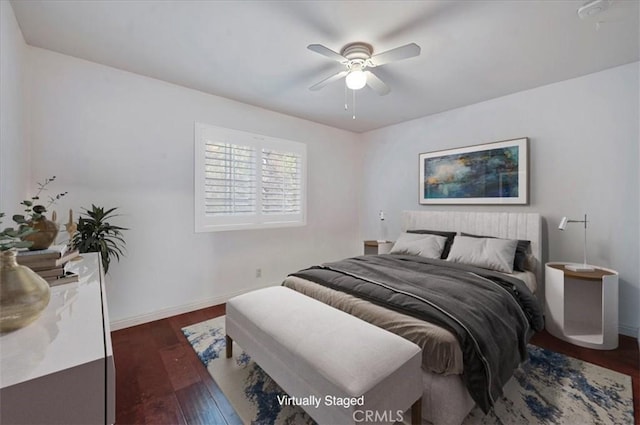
230 179
247 181
281 182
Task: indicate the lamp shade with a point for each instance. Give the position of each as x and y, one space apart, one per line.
563 223
356 79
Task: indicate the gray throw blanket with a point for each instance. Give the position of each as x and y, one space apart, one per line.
492 315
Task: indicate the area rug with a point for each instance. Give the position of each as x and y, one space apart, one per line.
550 388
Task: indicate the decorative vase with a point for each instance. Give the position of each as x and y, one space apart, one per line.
23 294
46 234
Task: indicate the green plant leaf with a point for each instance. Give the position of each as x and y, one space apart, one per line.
26 230
23 244
96 234
19 218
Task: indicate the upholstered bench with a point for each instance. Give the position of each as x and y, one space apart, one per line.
357 371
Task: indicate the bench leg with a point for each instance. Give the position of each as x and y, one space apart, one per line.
416 412
229 342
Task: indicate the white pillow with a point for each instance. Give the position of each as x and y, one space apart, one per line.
488 253
429 246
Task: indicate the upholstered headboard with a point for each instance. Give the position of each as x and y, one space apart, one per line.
525 226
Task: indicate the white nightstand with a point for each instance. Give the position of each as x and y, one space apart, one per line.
582 307
377 247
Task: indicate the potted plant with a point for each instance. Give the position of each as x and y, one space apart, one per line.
47 230
96 234
12 238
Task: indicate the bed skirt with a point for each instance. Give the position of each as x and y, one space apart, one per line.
445 400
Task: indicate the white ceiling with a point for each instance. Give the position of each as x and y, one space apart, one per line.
255 51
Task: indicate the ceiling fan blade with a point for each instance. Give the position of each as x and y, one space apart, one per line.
325 51
403 52
331 79
377 84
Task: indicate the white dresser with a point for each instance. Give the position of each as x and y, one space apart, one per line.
59 369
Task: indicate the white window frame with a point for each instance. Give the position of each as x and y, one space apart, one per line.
212 223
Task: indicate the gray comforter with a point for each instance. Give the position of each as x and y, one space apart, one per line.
493 316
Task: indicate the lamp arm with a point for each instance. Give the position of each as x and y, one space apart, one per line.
562 226
585 240
585 221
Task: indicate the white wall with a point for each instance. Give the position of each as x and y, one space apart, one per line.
115 138
14 147
119 139
583 158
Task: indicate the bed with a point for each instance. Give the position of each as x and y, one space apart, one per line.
455 376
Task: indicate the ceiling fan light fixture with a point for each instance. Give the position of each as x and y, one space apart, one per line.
356 79
593 8
357 59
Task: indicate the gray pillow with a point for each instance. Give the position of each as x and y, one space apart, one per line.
488 253
448 235
429 246
521 261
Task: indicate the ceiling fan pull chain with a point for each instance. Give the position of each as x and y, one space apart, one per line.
354 103
346 108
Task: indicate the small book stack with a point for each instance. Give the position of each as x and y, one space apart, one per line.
49 263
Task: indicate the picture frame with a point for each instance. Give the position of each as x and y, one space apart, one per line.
490 173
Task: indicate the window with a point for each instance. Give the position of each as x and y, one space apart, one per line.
247 181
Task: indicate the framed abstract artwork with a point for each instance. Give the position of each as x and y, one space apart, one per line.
492 173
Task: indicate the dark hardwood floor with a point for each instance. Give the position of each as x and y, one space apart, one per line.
160 380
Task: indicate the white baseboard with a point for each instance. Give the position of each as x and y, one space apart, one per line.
173 311
631 331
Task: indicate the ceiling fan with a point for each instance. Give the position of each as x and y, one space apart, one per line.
357 59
